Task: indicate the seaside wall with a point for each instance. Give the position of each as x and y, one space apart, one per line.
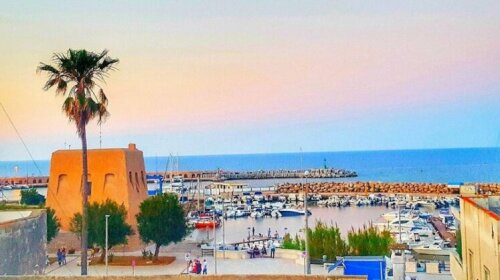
381 187
23 242
116 174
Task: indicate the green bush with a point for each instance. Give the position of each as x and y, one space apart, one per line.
369 241
327 241
31 197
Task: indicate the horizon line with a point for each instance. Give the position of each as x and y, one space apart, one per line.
285 152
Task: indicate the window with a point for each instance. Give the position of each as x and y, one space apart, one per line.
486 274
136 182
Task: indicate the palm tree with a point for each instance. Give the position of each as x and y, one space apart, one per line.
80 71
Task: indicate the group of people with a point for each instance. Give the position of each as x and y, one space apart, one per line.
61 256
255 251
195 266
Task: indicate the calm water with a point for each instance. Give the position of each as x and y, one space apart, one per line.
440 165
346 218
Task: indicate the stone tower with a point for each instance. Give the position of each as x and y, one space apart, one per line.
117 174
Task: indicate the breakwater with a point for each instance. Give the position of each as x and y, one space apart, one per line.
285 174
381 187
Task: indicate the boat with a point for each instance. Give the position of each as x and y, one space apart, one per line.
258 196
7 188
206 222
177 182
257 214
435 248
293 212
276 214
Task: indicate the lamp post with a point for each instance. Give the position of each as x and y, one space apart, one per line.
215 243
106 252
307 269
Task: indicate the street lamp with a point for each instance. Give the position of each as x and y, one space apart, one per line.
307 268
106 248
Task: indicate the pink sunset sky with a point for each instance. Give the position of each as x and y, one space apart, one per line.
203 77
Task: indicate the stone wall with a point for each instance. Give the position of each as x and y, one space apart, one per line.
205 277
23 243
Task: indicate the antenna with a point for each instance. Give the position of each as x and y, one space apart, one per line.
100 136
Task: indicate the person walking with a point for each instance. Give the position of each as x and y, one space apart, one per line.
63 254
59 257
273 250
198 267
269 233
204 267
253 231
187 258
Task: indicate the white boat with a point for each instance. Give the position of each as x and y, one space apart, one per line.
405 214
177 182
396 225
275 214
292 212
257 214
7 188
435 248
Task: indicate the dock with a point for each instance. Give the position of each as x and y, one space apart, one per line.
443 233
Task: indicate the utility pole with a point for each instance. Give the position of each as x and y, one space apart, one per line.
215 243
307 261
107 216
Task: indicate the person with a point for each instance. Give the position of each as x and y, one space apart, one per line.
190 268
264 252
187 258
204 266
47 261
276 235
63 254
59 256
253 231
255 251
198 266
273 250
269 232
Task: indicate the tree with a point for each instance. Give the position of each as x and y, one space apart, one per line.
118 229
161 220
31 197
459 242
53 224
79 71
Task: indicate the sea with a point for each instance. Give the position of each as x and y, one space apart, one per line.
431 165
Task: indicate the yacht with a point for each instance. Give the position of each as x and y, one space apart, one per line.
437 247
293 212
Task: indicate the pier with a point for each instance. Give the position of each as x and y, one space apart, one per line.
443 233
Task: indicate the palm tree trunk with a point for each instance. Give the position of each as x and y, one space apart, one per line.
85 193
157 251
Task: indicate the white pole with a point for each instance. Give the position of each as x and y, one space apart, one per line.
215 244
308 264
106 252
399 217
223 232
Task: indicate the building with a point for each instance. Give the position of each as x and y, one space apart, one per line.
479 219
116 174
23 242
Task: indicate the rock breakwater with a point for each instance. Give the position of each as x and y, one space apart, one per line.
380 187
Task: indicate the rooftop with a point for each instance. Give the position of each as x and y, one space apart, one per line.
489 204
